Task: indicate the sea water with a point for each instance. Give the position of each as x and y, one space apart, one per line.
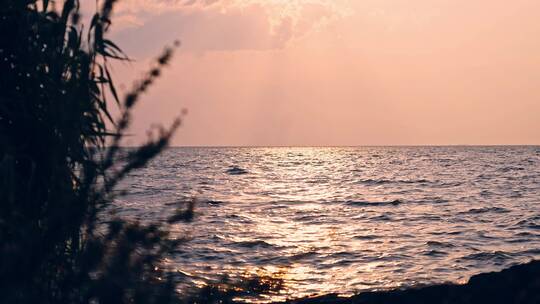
345 220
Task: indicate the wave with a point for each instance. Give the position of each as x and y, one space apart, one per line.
529 223
253 244
382 217
235 170
435 253
439 244
374 204
509 169
488 256
451 184
303 255
432 200
531 251
366 237
370 181
485 210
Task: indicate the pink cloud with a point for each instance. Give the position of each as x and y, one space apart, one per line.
209 25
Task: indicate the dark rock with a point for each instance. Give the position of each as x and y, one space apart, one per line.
517 284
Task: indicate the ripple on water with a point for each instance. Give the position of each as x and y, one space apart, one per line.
366 237
254 244
439 244
381 218
435 253
486 210
531 223
494 256
235 170
370 182
373 204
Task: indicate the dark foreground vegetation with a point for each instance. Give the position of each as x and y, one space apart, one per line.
518 284
60 163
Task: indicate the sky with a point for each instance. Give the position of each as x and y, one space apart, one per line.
337 72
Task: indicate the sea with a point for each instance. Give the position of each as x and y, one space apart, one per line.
343 219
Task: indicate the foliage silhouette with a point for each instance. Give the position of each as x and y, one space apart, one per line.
60 163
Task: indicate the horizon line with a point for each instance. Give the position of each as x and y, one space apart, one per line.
347 146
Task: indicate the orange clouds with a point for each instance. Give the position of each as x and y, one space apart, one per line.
205 25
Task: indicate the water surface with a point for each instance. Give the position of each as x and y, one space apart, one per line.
345 220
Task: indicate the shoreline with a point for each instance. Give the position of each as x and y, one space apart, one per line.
517 284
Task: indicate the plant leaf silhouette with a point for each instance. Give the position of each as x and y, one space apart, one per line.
61 158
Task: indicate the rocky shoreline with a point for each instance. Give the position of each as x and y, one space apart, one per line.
517 284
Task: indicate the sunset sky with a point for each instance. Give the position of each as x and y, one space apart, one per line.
336 72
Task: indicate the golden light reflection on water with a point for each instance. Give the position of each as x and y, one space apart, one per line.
297 280
325 237
300 279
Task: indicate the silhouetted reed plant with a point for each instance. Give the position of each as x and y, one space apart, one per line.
61 158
